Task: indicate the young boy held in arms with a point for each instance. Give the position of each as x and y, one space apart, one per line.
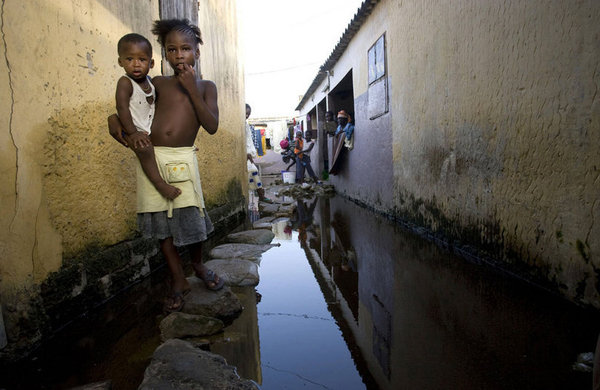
183 104
135 98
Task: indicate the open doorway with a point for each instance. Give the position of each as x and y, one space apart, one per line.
340 98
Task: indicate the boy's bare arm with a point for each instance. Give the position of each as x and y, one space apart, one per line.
312 144
137 139
204 98
115 129
122 96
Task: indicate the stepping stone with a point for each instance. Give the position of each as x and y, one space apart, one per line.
177 364
267 209
104 385
222 304
239 251
263 223
259 236
287 210
180 325
235 272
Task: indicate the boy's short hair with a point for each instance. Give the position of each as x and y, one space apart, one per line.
133 38
162 28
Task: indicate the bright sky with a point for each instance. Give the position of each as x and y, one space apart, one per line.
284 43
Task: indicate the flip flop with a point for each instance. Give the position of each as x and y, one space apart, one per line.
211 277
171 305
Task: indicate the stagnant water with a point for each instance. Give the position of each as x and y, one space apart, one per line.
348 301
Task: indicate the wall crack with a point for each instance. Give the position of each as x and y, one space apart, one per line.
10 116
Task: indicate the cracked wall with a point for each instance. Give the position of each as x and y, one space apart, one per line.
68 186
58 71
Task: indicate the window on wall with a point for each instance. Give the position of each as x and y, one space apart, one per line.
376 56
378 83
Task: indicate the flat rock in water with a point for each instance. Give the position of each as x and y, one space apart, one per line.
267 209
177 364
236 272
104 385
222 304
287 210
263 223
180 325
260 237
265 219
251 252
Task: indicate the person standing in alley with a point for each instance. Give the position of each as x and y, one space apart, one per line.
254 180
329 127
302 159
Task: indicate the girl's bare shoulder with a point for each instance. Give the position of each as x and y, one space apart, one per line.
159 80
206 86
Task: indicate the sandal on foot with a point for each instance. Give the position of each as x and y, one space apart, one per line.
175 302
210 277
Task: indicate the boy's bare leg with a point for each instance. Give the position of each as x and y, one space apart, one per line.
148 163
180 285
200 269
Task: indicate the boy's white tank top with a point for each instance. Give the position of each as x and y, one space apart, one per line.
141 111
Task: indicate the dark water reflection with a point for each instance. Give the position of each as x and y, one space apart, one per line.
348 301
411 315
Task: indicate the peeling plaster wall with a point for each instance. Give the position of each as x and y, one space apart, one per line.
68 187
495 127
58 83
223 156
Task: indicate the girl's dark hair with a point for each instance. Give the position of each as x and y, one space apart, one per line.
162 28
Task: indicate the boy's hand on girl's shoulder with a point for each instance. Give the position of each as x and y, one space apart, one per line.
138 140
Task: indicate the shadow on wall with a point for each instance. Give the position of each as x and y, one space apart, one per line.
144 14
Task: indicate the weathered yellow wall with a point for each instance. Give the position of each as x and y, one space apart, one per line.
67 185
223 155
59 163
495 124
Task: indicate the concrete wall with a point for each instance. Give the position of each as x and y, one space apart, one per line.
68 188
495 125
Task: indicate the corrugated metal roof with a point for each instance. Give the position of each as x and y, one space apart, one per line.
357 21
